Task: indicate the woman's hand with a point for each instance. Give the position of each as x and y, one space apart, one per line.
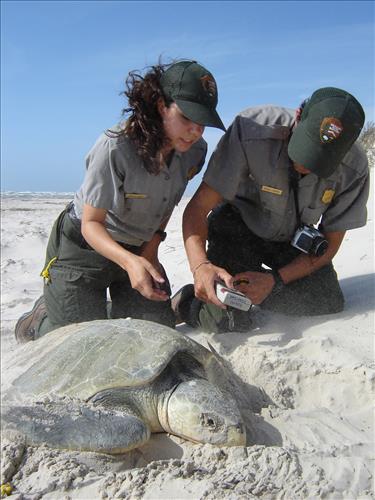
256 286
152 257
150 253
146 277
204 282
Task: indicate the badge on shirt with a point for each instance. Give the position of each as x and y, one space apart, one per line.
135 196
328 195
270 189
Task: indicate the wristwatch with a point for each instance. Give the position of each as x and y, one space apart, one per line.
162 234
279 284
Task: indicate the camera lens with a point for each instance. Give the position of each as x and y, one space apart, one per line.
319 246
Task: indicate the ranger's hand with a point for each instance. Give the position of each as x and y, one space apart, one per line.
145 278
256 286
204 283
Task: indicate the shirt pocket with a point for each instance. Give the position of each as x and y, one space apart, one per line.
135 205
275 203
311 216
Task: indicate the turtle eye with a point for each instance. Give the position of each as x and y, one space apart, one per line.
208 421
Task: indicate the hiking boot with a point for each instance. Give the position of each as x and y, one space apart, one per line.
28 323
181 302
237 321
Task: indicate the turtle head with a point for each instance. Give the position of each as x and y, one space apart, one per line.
199 411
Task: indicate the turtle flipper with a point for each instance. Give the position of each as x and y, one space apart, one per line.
80 428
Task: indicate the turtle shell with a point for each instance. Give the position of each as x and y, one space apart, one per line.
82 359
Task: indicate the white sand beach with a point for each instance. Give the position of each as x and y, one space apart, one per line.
305 387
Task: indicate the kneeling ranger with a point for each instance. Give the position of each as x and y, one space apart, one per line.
273 177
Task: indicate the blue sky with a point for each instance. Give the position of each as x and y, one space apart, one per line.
63 66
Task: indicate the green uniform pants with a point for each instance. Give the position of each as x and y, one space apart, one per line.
76 288
318 293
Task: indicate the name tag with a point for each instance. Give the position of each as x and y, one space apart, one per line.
269 189
328 195
135 196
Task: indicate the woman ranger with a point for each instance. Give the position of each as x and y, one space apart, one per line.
108 236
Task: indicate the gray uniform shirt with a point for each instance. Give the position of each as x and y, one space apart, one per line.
136 201
250 168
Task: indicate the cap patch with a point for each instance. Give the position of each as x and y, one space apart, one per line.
330 129
209 85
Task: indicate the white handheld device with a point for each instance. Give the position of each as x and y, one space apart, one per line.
232 298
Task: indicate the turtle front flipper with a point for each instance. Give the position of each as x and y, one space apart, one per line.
80 428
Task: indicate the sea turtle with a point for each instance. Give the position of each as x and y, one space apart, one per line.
105 385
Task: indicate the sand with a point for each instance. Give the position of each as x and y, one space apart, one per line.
305 387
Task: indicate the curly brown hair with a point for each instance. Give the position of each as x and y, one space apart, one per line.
144 126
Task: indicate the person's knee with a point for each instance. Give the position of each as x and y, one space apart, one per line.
334 305
317 294
217 320
151 310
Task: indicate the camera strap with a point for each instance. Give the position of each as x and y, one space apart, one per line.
293 179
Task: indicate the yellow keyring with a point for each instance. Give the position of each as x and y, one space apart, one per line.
45 273
6 489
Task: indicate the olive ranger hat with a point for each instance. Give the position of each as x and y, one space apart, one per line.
331 121
194 90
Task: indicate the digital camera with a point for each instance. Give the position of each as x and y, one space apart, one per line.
232 298
310 240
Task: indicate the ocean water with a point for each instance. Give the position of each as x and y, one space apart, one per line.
27 195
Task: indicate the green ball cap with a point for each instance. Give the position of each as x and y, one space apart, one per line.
331 121
194 90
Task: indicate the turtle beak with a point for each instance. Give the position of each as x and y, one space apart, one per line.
236 435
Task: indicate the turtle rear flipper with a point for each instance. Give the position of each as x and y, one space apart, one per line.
82 428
